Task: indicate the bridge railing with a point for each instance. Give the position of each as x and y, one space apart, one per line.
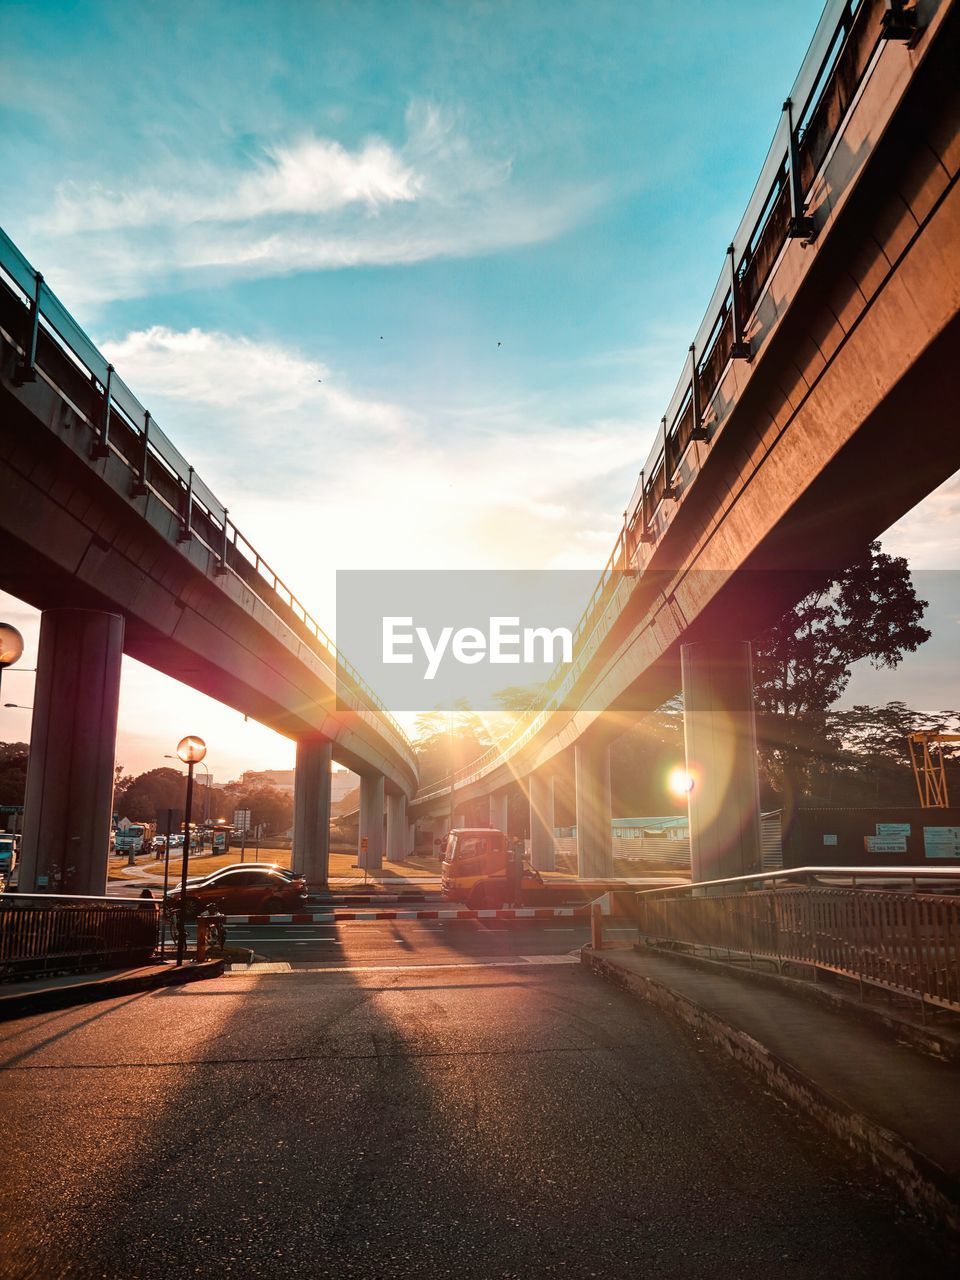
122 427
853 922
840 54
43 932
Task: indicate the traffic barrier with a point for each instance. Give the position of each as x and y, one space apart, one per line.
503 913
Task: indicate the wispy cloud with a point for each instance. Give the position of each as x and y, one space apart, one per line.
307 464
307 204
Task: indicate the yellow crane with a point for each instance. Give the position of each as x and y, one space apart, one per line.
926 756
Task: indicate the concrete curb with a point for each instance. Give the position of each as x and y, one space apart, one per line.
938 1042
924 1185
23 1004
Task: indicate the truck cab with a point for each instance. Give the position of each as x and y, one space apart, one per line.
483 868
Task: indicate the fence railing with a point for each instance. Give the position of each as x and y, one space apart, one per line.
121 427
840 54
902 940
43 932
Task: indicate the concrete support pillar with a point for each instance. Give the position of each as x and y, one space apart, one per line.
397 827
311 810
73 743
498 810
592 786
371 821
411 839
540 790
721 748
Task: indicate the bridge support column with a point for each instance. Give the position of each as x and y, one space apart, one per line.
311 810
73 743
498 810
411 839
592 786
397 827
540 790
720 735
371 821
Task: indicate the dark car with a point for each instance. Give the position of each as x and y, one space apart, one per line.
244 891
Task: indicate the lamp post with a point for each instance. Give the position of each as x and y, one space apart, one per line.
11 646
191 751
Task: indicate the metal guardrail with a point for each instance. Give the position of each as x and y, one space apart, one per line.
838 58
121 426
906 942
40 932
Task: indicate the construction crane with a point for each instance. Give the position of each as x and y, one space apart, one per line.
929 767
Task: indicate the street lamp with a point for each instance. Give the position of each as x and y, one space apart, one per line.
206 802
11 646
191 751
17 706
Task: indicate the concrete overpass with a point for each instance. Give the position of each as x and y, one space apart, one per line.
108 530
809 417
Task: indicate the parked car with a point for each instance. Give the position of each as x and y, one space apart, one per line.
244 890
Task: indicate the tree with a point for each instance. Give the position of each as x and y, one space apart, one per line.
804 663
447 740
13 772
142 797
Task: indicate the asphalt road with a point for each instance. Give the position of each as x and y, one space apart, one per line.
471 1114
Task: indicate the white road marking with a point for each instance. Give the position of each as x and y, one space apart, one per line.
517 962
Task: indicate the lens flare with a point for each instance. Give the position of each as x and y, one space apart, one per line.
680 782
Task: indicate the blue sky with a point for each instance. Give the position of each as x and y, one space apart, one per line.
301 230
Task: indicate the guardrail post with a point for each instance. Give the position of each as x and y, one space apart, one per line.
101 446
186 531
646 534
27 368
596 926
698 432
740 350
140 488
669 489
222 565
801 226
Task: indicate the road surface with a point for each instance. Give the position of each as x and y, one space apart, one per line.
466 1114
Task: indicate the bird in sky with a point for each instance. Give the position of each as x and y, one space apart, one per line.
499 344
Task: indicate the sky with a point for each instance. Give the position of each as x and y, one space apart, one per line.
410 284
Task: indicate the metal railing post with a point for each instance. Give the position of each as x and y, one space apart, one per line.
669 489
101 445
898 22
740 350
222 566
801 226
27 368
186 529
698 432
140 488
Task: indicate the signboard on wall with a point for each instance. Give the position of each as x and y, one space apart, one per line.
885 844
941 842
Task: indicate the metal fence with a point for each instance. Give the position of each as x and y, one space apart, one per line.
42 932
902 941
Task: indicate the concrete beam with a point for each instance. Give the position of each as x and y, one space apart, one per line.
311 810
73 743
721 749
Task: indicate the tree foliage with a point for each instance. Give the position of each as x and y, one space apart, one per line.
804 663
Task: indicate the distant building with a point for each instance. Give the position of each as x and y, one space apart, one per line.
342 781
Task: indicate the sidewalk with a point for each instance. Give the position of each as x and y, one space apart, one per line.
894 1103
37 995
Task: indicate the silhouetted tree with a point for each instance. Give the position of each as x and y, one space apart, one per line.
13 772
804 663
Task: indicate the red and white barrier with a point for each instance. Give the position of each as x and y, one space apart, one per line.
336 917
